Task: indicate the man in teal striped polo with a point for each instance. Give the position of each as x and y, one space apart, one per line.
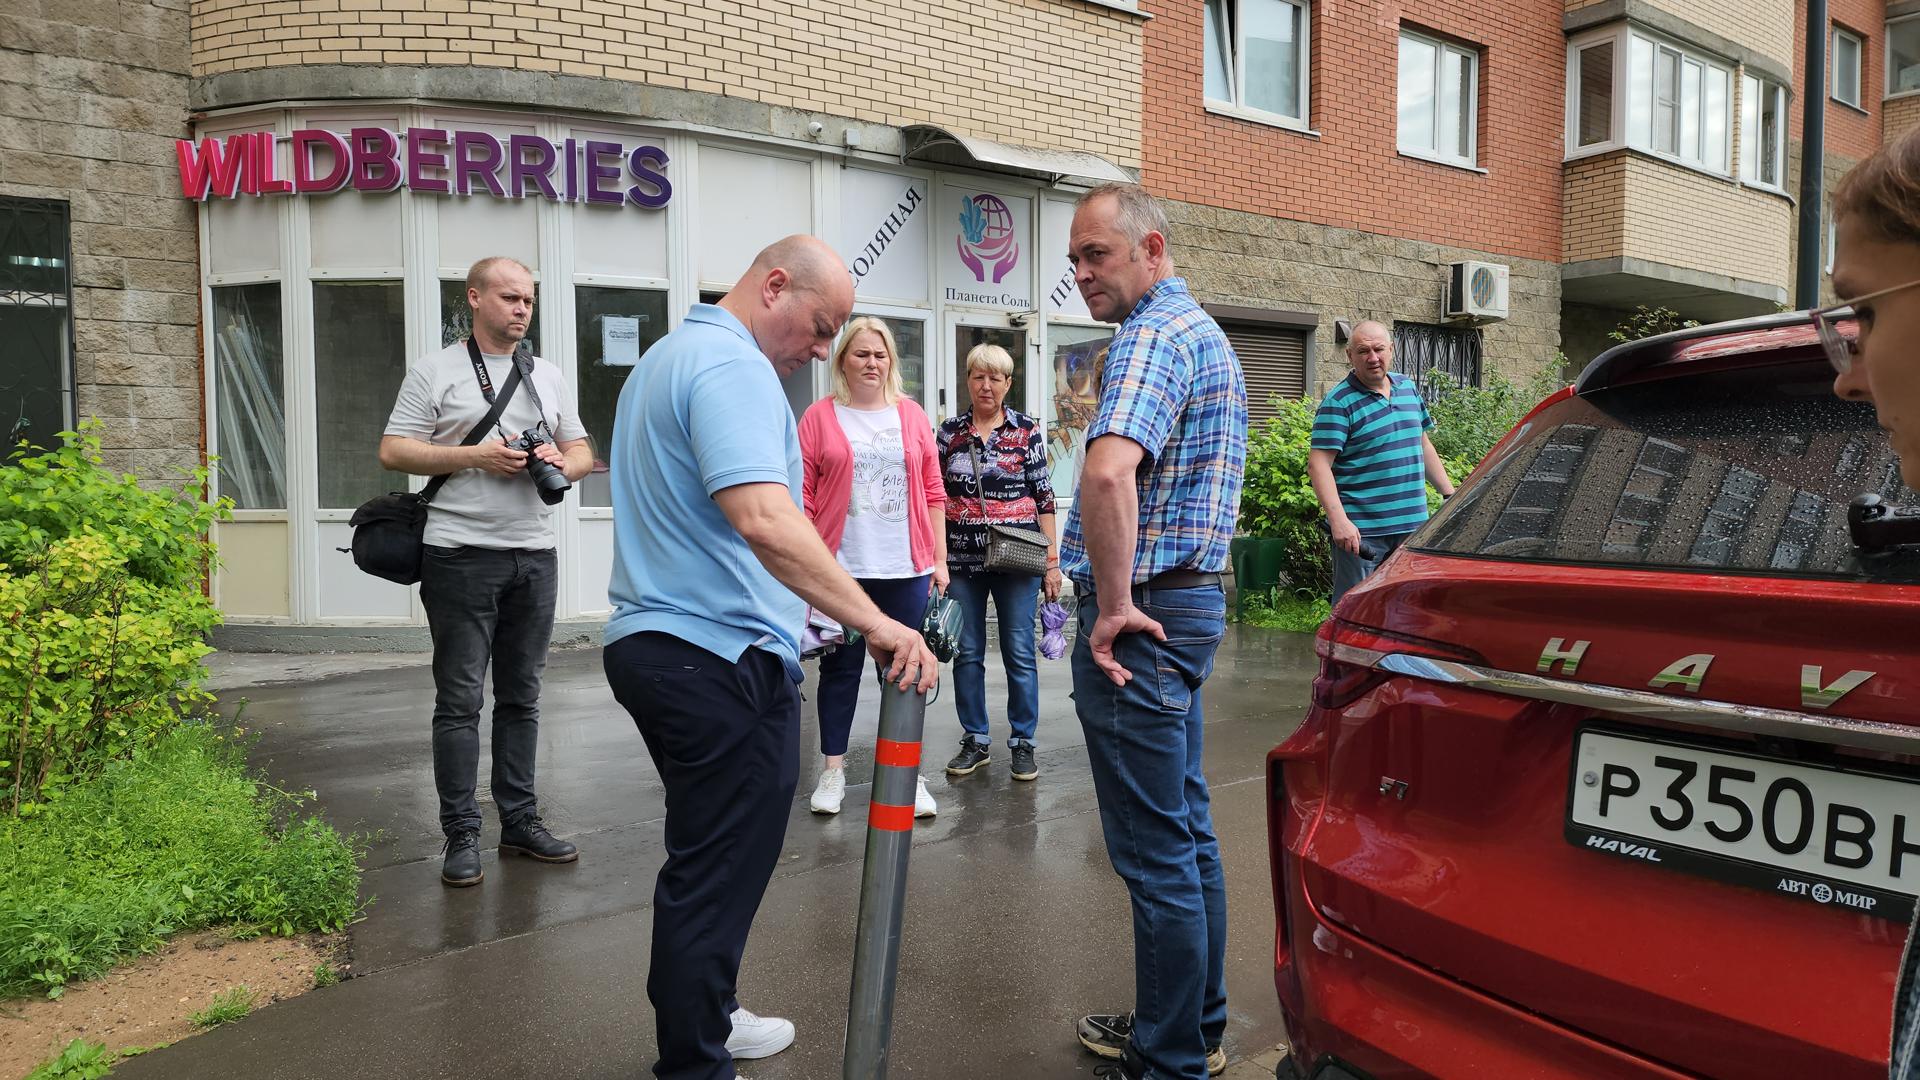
1371 459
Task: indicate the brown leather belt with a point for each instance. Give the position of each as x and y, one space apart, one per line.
1180 579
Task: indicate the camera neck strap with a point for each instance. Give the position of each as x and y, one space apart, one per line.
522 365
496 406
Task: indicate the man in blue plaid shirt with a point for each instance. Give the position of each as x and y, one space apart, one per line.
1145 545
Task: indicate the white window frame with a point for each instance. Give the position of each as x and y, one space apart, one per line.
1859 65
1236 73
1752 88
1442 48
1622 35
1887 55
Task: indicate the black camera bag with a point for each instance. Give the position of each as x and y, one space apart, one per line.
388 529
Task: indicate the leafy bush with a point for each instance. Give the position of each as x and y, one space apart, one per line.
173 838
103 611
1469 420
1645 322
81 1060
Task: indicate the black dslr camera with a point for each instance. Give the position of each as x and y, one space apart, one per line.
548 480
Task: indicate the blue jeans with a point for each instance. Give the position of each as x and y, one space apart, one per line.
902 600
1015 598
1144 742
1350 570
487 606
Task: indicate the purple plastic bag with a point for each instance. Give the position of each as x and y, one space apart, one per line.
1053 623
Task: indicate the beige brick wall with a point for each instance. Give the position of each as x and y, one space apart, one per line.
1052 73
89 107
1763 25
1628 205
1900 115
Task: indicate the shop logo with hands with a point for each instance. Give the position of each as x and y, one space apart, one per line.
986 237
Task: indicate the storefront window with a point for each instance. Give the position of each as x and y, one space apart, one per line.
613 328
249 388
456 315
1077 355
359 361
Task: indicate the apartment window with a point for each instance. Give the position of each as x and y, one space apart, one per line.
1433 355
1627 87
1763 120
1593 97
1846 67
1903 56
1256 59
1439 92
36 322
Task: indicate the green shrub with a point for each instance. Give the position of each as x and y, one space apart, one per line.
1645 322
173 838
1469 420
81 1060
103 612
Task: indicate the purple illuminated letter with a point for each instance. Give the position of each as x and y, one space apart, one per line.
304 181
376 159
419 158
653 178
476 153
597 172
539 170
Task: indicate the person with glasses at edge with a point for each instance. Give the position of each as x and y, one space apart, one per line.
1876 272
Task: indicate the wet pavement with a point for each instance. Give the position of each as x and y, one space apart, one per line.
1015 924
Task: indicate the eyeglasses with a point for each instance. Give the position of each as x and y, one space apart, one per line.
1840 348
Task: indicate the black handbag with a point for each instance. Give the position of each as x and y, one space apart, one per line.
1010 548
389 530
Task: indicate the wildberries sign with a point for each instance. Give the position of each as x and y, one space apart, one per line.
436 161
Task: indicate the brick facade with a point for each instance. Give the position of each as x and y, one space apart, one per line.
1900 115
1059 74
1350 174
1765 26
1628 205
92 93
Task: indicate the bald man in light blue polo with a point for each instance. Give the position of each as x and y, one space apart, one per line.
1371 460
714 565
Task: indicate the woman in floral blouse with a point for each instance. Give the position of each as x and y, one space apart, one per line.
1010 488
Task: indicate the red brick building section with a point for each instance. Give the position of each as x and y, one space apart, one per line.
1351 175
1852 134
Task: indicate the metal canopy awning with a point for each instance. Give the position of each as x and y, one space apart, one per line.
934 145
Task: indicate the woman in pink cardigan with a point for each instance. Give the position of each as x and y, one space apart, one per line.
872 487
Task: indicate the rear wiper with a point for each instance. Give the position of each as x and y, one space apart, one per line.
1877 526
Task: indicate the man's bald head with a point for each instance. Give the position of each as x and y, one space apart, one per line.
794 299
1372 329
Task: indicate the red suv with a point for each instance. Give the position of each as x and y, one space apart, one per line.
1614 768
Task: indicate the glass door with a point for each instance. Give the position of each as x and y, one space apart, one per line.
964 331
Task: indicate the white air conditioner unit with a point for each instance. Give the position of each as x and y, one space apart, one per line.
1477 291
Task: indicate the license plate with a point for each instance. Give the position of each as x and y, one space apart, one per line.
1836 837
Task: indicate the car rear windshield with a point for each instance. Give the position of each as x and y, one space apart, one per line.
1736 471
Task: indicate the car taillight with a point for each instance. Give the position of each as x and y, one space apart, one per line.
1349 652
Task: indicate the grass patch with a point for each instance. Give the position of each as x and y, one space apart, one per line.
81 1060
228 1005
178 837
325 974
1282 610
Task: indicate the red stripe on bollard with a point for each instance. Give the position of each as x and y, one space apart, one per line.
904 754
890 818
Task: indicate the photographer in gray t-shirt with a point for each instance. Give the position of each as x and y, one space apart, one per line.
488 578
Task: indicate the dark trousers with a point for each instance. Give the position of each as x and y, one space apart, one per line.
903 600
726 740
487 604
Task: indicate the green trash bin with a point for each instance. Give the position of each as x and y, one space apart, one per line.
1256 566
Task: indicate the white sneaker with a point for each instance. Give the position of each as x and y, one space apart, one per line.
758 1036
828 794
923 804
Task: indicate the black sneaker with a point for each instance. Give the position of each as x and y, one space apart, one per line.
972 755
1023 765
461 867
529 837
1106 1034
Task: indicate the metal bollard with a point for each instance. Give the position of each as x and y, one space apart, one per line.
883 884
